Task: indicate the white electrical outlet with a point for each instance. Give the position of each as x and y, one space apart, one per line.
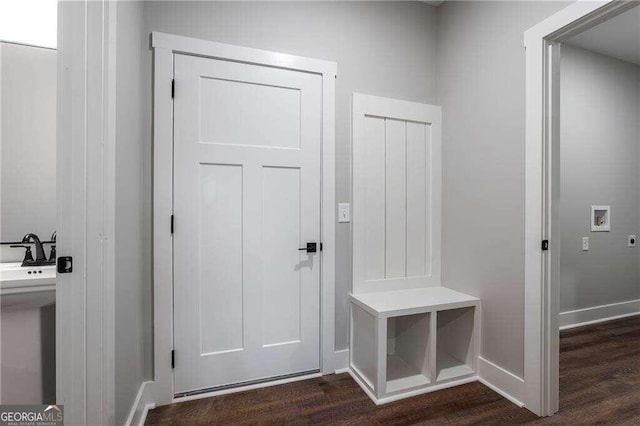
631 241
585 243
343 213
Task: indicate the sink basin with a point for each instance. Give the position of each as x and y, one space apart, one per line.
27 287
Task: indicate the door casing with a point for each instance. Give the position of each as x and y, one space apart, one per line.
86 173
165 46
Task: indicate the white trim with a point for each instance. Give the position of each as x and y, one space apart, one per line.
108 326
328 226
404 395
541 371
164 47
598 321
141 405
246 388
341 361
597 314
145 413
212 49
162 240
501 392
86 173
501 381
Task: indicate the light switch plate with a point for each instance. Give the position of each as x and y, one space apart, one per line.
344 215
631 241
585 243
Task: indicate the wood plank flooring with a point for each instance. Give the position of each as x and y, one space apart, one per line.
599 383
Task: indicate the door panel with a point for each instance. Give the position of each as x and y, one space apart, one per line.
246 197
262 105
221 277
281 277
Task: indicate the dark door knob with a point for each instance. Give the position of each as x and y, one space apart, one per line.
310 248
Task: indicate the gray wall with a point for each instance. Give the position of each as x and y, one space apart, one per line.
132 326
600 164
481 87
28 143
382 48
389 49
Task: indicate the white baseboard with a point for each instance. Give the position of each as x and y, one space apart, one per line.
596 314
141 406
501 381
381 401
341 361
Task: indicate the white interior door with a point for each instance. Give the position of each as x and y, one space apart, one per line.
247 147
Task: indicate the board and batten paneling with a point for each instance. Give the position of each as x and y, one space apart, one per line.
397 180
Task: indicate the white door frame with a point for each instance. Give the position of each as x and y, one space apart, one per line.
86 210
165 46
542 184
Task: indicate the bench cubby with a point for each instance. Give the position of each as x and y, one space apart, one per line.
455 351
408 342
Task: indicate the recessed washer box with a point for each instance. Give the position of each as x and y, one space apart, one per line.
600 218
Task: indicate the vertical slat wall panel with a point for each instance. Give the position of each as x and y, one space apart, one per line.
374 172
431 193
395 195
417 186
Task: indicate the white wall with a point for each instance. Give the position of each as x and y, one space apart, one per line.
481 87
132 364
27 143
382 48
600 164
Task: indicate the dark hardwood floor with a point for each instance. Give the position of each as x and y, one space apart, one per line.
599 383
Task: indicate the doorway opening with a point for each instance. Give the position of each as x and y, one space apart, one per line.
28 202
569 166
599 205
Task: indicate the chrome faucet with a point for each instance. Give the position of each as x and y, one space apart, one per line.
33 239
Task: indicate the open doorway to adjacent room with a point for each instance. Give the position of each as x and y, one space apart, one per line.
28 212
583 186
599 208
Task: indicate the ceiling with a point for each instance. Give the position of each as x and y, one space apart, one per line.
619 37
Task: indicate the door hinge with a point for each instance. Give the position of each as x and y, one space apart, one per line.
545 245
173 358
172 224
173 88
320 246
